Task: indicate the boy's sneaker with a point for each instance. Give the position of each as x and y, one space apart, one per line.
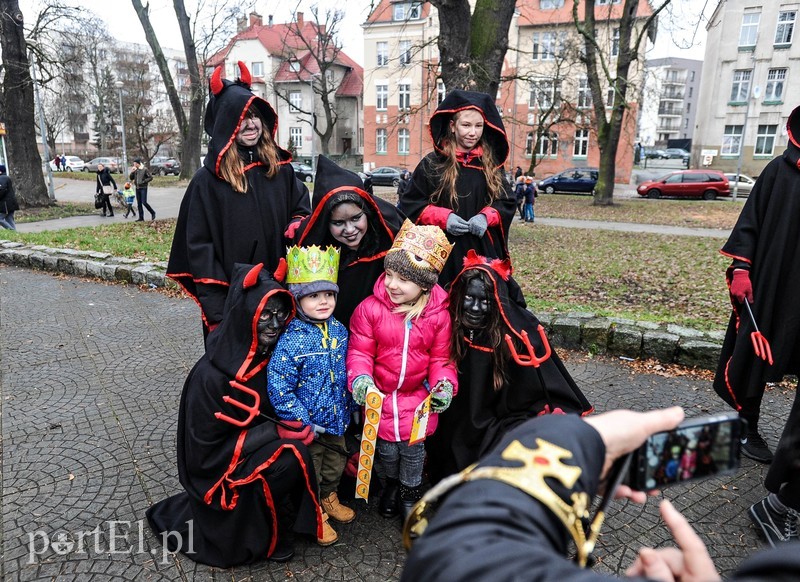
777 527
756 448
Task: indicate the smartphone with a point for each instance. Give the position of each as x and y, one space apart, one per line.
698 448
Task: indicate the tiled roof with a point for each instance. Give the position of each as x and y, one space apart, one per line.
531 15
383 12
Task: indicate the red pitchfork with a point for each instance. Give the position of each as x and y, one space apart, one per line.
530 359
760 343
252 411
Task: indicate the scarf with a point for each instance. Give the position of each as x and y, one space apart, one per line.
465 158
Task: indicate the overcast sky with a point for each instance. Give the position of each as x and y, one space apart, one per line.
678 35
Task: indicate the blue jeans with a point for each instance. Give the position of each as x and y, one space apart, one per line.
529 212
141 199
7 221
402 461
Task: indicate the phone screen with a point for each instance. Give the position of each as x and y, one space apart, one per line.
698 448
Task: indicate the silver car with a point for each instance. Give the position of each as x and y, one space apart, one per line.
745 184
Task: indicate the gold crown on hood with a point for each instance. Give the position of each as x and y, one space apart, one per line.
425 243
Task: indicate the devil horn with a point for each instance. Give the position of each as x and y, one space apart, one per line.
501 267
216 80
244 74
280 272
252 276
472 259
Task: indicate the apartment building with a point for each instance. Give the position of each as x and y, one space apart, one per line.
746 85
669 101
289 70
545 104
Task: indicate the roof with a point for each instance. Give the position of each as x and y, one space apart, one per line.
383 12
531 15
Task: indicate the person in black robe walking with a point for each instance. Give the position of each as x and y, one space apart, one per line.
361 225
461 187
247 482
244 202
496 393
765 270
105 180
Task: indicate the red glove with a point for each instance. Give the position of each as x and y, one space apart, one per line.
741 287
301 432
292 229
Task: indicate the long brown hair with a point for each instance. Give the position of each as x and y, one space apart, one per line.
493 331
447 171
231 168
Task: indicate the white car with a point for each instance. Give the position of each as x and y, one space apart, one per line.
746 183
74 164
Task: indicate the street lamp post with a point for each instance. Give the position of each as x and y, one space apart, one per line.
119 85
313 121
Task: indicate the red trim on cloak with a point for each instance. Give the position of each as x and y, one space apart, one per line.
243 375
729 387
175 277
745 259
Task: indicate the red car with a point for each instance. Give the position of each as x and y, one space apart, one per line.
705 184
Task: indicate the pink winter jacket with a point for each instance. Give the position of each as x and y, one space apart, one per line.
400 358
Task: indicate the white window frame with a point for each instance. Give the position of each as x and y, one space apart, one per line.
765 140
550 4
610 97
740 87
404 96
776 81
441 91
544 94
296 137
381 96
294 66
257 68
382 54
295 101
615 42
732 140
748 32
581 146
404 47
547 141
380 140
584 97
403 141
548 45
784 30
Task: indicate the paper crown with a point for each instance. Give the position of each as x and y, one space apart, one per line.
427 245
309 264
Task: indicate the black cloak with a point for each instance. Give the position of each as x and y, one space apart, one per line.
489 530
479 416
217 226
470 184
766 239
358 270
237 480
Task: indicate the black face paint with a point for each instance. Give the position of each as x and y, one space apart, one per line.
271 322
477 303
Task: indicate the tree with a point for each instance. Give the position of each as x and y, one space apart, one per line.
476 64
25 163
633 30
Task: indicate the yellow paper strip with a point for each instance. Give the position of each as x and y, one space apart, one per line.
366 455
419 426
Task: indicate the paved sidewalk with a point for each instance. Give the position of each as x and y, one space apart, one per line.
91 380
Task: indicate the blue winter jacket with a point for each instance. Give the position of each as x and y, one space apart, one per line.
307 379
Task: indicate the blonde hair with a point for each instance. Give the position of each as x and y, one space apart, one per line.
448 170
415 309
231 168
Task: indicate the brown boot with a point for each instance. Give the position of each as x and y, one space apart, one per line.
336 510
329 534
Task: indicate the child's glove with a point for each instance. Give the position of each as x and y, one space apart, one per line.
478 225
441 396
300 432
360 386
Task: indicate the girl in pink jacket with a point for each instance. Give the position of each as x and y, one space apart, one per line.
399 344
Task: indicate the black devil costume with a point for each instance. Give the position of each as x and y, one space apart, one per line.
218 226
473 196
480 416
765 241
237 479
516 514
360 268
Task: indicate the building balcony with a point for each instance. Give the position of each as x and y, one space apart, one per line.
670 112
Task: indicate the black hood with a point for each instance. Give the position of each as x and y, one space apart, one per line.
493 132
792 153
228 101
331 183
232 346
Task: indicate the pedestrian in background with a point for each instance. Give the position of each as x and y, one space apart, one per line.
63 163
57 162
530 199
130 197
8 201
141 177
105 187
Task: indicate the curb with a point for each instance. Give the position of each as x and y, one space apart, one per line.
625 338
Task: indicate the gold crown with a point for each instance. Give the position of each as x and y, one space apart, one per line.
309 264
425 243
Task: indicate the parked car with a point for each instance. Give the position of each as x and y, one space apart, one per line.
572 180
161 166
74 164
303 172
654 154
112 164
746 183
678 153
705 184
385 176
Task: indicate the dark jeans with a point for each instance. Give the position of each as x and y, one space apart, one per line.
141 200
107 205
402 461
